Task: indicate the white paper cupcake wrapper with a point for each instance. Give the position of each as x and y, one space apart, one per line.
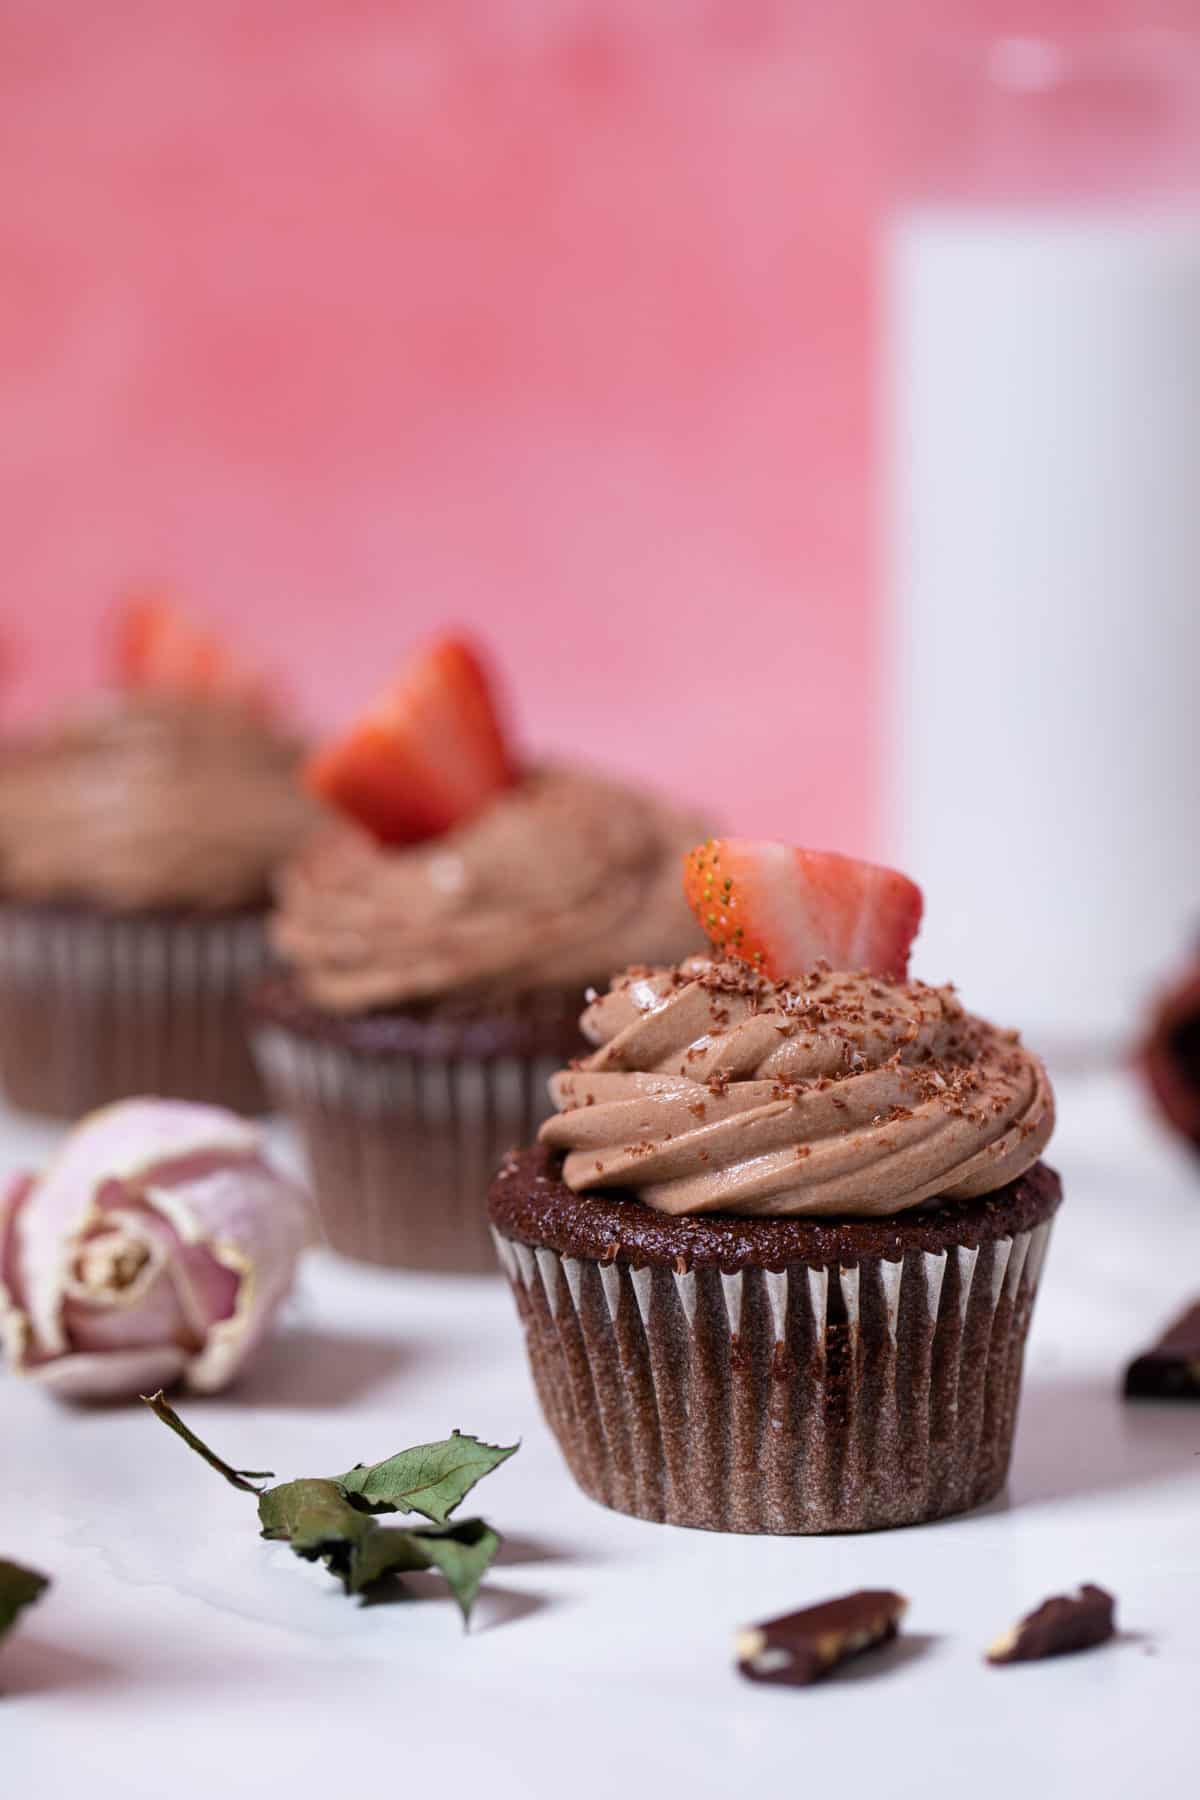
95 1007
804 1400
402 1147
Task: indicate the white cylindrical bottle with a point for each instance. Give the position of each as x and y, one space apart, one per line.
1044 573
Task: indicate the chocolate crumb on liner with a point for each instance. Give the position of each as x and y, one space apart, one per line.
1170 1369
775 1375
1060 1625
802 1647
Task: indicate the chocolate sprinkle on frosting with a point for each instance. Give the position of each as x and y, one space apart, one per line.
715 1090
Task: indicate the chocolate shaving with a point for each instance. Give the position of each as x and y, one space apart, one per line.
801 1647
1170 1369
1060 1625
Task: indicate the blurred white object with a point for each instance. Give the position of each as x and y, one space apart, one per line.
1044 545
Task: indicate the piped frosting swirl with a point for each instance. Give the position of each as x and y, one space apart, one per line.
150 802
713 1089
563 875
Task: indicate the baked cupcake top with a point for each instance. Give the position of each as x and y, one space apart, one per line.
562 875
179 790
452 870
725 1085
155 800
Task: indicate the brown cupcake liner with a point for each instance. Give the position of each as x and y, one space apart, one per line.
98 1006
401 1146
801 1400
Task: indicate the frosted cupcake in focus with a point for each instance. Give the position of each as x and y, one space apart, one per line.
435 947
137 844
777 1251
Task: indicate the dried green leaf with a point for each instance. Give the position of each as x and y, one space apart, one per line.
19 1588
321 1525
463 1553
331 1521
245 1479
431 1479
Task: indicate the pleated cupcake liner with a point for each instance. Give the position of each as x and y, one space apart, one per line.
401 1146
98 1006
804 1400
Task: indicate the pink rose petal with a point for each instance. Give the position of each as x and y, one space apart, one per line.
156 1247
149 1312
118 1143
255 1224
110 1375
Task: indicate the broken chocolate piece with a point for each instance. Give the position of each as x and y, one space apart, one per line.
801 1647
1170 1369
1064 1623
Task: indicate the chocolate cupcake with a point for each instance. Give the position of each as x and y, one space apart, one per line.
1170 1057
777 1252
136 849
429 992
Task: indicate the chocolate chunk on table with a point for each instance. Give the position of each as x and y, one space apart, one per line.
1170 1369
799 1648
1064 1623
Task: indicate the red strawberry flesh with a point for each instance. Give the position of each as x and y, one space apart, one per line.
782 909
428 755
158 649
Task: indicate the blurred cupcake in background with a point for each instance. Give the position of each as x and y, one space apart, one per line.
1170 1054
137 842
435 943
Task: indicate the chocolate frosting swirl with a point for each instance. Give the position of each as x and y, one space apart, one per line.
563 876
150 803
715 1090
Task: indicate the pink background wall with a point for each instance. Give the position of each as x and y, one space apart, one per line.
349 320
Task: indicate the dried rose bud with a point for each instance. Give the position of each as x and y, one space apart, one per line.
154 1248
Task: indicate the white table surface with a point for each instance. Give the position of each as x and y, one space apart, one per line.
178 1655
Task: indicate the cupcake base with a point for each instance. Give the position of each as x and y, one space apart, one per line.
784 1376
405 1113
98 1006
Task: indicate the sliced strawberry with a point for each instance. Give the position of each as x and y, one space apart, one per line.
427 755
781 910
158 649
